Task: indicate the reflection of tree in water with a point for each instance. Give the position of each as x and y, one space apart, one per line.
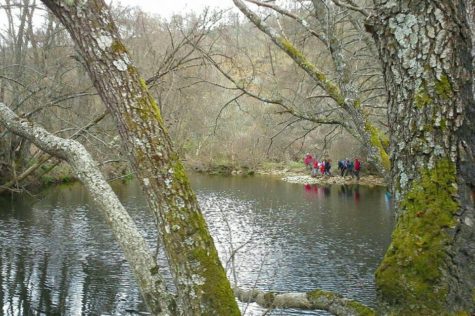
45 301
13 283
96 299
35 286
18 285
64 284
327 191
2 295
41 283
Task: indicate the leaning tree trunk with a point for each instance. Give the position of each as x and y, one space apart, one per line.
425 50
202 286
134 246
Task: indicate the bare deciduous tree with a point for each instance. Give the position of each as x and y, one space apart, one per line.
344 88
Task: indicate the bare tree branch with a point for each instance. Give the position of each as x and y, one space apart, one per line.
351 6
316 299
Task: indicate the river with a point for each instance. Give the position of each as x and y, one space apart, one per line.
58 257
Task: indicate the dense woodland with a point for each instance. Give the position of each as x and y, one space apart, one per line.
390 81
260 107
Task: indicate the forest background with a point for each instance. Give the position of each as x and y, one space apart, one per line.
231 99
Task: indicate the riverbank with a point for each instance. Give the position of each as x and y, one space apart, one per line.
364 180
293 172
303 177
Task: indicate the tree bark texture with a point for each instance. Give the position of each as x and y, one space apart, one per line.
425 50
135 248
313 300
202 286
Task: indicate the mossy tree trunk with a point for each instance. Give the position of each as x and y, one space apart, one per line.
425 51
202 286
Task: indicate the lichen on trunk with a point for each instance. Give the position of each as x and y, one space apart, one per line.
425 50
201 283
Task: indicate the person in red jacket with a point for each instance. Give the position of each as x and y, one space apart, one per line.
357 168
322 167
315 168
308 161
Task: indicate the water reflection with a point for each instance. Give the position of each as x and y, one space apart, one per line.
317 191
388 200
57 256
351 192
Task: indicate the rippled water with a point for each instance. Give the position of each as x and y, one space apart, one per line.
57 256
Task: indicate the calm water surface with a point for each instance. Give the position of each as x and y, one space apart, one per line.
57 256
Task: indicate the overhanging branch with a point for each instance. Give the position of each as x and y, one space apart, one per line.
123 227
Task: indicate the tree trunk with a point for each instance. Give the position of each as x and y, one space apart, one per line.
135 247
425 50
202 286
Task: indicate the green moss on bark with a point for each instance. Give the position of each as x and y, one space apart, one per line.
321 297
218 297
132 70
179 172
381 142
318 294
443 88
148 105
443 124
332 89
410 275
118 48
360 309
269 299
422 97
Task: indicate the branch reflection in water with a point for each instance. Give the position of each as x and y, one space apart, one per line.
57 256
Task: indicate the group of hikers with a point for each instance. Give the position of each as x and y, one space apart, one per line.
315 166
345 166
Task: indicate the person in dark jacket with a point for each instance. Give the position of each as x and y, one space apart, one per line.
349 167
328 166
342 167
